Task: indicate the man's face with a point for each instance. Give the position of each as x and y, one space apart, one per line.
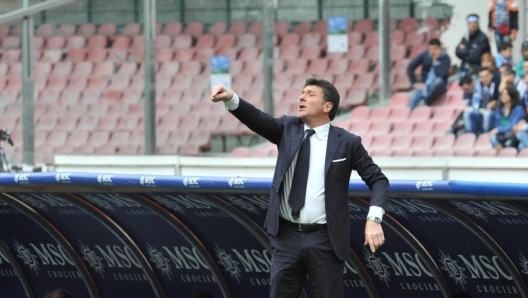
468 88
473 27
435 51
507 53
312 104
485 77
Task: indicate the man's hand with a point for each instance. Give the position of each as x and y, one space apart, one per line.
461 46
494 131
491 105
519 126
220 93
374 235
513 35
419 86
490 33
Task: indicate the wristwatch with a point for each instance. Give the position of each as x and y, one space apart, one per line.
374 219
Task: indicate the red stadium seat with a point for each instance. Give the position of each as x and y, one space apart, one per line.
311 39
238 28
483 142
356 97
355 52
364 25
464 141
408 25
246 40
403 128
399 99
194 28
169 69
282 27
75 42
132 29
360 128
364 81
380 142
444 142
317 66
4 30
303 28
380 128
62 69
173 29
421 114
415 39
218 28
297 66
76 55
360 67
86 29
401 142
182 41
372 53
11 42
46 123
490 152
507 152
70 96
205 41
371 38
290 39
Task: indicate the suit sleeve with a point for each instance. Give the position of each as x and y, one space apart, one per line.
372 175
262 123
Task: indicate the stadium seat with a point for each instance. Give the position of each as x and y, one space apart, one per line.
397 38
303 28
182 41
464 141
46 123
218 28
201 138
107 29
441 128
507 152
297 67
444 142
46 30
359 128
282 27
194 28
443 152
490 152
87 29
58 83
523 153
401 142
4 30
11 42
132 29
360 67
173 29
240 152
96 42
311 39
246 40
372 53
444 114
76 55
403 128
238 28
99 55
421 114
399 99
49 96
356 97
401 83
483 142
364 26
51 56
62 69
431 23
364 81
381 143
415 39
371 38
75 42
408 25
317 67
379 128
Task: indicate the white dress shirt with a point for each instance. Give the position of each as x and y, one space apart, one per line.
314 210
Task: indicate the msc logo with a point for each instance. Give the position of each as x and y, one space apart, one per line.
454 270
22 178
229 264
92 259
524 263
424 185
147 180
63 177
191 182
378 267
236 182
159 259
105 179
26 255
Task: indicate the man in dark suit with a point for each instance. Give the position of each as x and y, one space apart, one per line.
308 219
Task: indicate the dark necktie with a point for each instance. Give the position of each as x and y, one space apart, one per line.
300 176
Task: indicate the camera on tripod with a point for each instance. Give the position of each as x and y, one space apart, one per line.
5 135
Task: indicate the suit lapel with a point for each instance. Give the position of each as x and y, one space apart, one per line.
296 140
333 142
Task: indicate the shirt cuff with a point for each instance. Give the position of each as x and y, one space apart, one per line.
376 211
232 104
524 126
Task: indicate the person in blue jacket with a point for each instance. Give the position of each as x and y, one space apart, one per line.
509 113
435 69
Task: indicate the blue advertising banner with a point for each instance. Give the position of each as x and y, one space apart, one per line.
242 259
465 259
46 263
112 262
400 267
180 265
497 217
13 280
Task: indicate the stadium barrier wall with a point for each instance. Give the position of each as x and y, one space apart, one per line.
116 235
508 170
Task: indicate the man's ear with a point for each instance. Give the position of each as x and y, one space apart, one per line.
328 107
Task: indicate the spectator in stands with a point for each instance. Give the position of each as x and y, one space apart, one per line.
504 55
307 216
435 69
476 100
524 57
508 78
487 61
488 85
473 45
521 128
509 113
503 20
58 293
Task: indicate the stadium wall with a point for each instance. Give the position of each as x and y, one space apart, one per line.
513 170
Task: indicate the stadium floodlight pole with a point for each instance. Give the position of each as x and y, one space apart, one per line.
149 67
384 50
268 28
28 60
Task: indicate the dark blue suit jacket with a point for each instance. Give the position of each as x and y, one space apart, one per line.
288 132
